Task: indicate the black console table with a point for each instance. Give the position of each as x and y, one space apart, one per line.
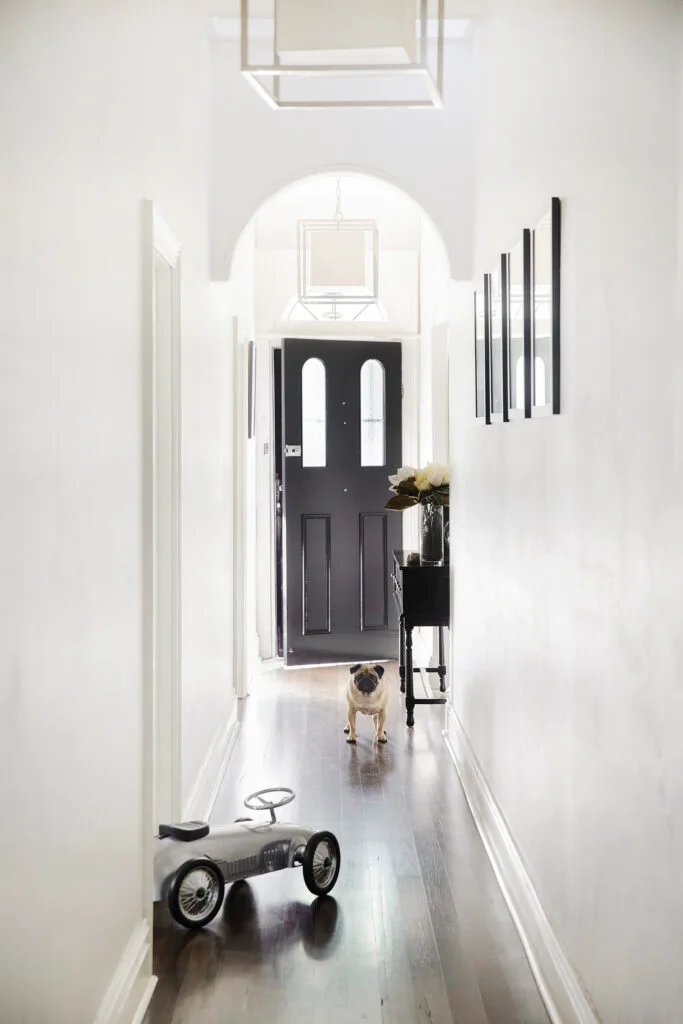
421 593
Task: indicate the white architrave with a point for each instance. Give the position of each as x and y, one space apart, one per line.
241 669
161 525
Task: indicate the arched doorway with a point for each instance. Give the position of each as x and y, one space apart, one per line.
412 306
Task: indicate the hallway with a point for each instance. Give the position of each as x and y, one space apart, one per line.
416 929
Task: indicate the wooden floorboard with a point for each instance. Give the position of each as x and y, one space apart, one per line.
416 931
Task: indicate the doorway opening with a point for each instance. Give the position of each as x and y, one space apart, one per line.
278 488
413 295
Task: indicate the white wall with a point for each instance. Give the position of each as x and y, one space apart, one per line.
568 601
102 105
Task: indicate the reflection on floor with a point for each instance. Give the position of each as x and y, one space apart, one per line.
416 929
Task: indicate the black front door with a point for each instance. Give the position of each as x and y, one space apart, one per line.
342 437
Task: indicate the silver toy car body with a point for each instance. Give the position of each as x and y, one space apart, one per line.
193 861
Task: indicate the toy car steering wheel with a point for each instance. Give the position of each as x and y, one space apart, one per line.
269 805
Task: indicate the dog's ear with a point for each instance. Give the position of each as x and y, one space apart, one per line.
354 668
379 669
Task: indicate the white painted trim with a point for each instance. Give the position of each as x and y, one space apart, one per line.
266 601
239 647
146 998
291 330
560 986
205 790
161 604
131 987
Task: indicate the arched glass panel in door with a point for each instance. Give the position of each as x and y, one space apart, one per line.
313 413
372 414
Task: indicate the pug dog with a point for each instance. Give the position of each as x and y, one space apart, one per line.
367 693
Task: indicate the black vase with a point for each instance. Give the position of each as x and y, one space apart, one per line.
431 533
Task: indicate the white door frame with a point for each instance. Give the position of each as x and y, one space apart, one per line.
161 524
241 670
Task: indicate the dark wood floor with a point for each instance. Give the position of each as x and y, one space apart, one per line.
416 929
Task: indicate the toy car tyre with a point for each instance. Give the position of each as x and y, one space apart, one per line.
321 862
196 893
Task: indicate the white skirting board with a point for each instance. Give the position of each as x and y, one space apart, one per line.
559 985
130 990
203 796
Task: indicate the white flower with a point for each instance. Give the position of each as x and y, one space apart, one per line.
404 473
436 473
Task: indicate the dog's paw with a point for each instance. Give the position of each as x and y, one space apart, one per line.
349 740
381 739
346 728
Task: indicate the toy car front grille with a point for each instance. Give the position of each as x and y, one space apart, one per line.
274 856
239 868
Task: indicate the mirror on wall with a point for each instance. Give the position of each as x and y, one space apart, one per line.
545 315
515 321
481 358
498 357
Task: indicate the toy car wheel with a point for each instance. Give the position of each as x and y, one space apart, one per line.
321 862
196 895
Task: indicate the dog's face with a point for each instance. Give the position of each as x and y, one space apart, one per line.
366 677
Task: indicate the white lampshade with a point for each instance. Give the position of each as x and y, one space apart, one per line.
353 33
345 53
337 259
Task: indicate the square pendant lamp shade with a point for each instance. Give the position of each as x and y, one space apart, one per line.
344 53
339 260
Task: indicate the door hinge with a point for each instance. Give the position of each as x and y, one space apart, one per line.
266 447
402 391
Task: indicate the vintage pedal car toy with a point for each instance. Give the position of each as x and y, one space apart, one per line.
194 861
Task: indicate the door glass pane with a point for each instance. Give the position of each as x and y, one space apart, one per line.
372 444
313 413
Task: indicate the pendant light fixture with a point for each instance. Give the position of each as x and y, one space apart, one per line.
338 260
344 53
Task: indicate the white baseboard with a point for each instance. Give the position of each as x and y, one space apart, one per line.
130 990
561 989
205 790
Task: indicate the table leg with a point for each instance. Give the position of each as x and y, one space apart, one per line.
410 696
442 663
402 654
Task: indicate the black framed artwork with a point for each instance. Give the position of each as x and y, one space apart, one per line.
545 316
482 374
498 357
